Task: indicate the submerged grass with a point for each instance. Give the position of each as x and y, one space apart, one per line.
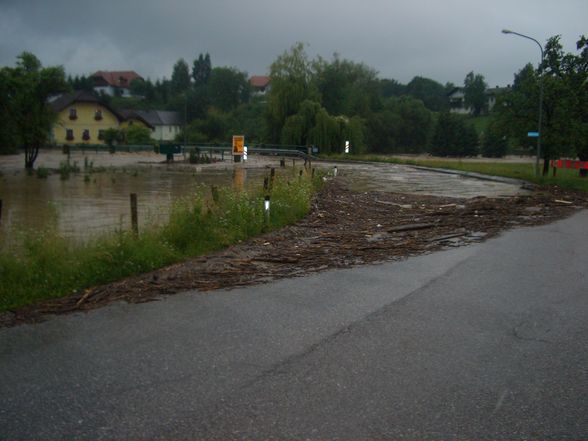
43 265
566 178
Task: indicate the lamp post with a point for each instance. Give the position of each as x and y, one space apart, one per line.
506 31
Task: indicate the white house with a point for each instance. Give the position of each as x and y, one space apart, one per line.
165 125
114 83
457 99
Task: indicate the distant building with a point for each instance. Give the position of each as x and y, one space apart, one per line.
165 125
82 118
114 83
457 99
260 85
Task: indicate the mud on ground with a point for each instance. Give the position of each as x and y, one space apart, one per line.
344 229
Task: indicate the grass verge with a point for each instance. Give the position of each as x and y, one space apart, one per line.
566 178
43 265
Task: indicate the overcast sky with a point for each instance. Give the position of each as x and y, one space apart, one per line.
439 39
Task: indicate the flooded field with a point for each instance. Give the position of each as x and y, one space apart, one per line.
97 200
91 203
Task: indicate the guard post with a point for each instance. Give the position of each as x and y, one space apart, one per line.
238 147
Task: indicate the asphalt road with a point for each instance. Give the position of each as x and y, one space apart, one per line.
485 342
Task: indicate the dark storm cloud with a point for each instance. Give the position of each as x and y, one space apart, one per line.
443 40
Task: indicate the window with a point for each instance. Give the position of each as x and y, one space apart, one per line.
69 134
86 135
101 135
73 114
98 115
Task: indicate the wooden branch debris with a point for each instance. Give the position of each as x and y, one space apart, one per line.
410 227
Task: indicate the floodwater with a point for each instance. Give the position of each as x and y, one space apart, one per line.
404 179
89 204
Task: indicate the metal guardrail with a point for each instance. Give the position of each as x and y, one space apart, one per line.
178 148
260 150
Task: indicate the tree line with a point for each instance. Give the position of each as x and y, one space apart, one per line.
326 102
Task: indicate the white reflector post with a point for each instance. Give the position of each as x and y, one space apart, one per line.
347 146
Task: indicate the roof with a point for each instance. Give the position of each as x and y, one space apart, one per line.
81 96
116 78
259 81
155 117
133 114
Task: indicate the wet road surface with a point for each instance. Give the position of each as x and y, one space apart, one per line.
485 342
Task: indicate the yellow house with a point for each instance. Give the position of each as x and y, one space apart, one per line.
83 118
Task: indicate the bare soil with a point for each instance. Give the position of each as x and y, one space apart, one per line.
344 229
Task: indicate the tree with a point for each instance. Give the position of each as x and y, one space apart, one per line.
201 70
138 135
415 126
213 128
227 88
180 80
454 137
430 92
249 119
345 87
112 136
24 105
494 141
565 100
474 87
292 82
80 83
390 88
403 126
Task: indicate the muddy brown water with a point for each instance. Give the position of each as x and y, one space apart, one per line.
90 204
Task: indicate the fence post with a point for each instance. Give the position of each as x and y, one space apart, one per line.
0 211
134 214
272 177
266 212
214 191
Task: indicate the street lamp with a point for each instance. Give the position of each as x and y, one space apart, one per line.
506 31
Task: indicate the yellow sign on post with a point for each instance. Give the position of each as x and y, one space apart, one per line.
238 145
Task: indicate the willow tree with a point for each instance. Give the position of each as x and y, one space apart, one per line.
24 103
292 83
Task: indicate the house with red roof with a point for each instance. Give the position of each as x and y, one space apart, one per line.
260 84
114 83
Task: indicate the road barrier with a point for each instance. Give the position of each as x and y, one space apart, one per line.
568 163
